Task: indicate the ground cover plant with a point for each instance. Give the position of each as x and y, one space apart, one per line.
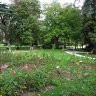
46 73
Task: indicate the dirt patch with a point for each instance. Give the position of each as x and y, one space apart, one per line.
88 66
30 94
85 66
44 89
66 74
48 87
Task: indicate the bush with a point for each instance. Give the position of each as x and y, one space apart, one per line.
16 84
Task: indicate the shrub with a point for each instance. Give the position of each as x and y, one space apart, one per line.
16 84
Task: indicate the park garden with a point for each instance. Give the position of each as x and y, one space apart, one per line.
47 50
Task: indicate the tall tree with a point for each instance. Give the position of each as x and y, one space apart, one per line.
51 22
25 21
89 22
62 24
5 18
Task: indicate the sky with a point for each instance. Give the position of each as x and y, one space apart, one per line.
49 1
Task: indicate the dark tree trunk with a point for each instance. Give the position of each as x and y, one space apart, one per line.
75 45
17 47
56 42
64 43
94 50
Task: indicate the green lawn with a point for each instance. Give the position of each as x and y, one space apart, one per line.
50 73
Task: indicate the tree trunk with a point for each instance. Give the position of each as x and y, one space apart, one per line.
17 47
94 50
64 43
56 43
31 44
9 46
82 46
75 46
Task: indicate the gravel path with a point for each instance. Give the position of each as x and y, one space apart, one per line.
76 53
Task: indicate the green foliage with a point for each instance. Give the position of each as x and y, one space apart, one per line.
89 22
74 88
61 22
29 58
5 19
24 24
14 85
61 25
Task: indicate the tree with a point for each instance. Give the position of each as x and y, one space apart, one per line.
25 21
51 22
89 22
5 18
72 17
62 24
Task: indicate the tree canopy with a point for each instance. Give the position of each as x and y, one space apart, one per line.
62 24
25 20
89 22
21 24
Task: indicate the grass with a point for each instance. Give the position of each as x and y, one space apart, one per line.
71 78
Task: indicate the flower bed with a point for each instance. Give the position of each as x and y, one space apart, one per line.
14 81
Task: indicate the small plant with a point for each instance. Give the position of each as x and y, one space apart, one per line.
14 82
